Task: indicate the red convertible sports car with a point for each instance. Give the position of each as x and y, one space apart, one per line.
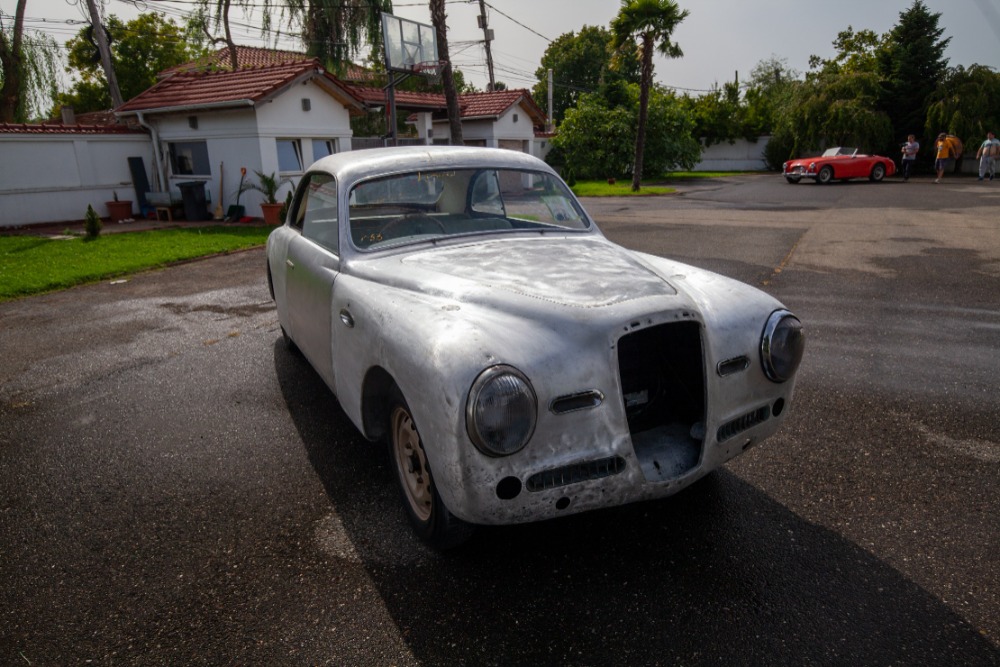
839 164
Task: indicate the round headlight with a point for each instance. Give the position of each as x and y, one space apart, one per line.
781 346
500 416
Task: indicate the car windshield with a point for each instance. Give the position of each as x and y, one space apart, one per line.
840 150
424 205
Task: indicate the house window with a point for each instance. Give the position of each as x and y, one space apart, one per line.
323 147
289 155
189 158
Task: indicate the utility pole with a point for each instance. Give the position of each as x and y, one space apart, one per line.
487 38
550 126
102 45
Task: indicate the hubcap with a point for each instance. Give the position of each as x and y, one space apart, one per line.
412 464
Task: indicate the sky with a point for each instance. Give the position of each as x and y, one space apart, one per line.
719 38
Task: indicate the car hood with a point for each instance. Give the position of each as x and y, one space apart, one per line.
584 273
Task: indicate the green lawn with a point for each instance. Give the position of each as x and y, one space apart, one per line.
623 186
34 264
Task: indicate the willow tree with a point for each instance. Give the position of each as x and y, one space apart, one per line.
966 104
651 23
27 70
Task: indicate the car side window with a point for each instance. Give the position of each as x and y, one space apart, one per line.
317 214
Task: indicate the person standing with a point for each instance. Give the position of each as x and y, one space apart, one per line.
941 153
910 149
987 153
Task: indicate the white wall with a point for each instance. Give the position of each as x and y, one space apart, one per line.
53 177
742 155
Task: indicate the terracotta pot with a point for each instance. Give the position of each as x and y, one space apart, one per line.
119 210
272 213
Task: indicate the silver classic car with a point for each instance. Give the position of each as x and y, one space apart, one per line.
465 309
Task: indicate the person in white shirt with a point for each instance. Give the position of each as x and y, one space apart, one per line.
910 149
987 153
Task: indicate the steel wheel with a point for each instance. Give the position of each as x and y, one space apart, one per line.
411 463
430 518
878 173
825 175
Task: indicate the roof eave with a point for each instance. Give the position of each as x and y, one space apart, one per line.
182 108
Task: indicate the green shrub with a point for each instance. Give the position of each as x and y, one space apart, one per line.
92 223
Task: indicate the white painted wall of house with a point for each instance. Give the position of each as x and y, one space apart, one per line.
53 177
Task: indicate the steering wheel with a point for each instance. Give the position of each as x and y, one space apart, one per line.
416 217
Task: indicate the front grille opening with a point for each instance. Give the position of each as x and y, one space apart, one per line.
663 389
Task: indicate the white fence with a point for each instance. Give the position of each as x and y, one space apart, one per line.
742 155
49 176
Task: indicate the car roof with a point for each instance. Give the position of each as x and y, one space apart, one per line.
351 166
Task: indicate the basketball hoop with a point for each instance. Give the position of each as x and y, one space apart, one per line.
429 69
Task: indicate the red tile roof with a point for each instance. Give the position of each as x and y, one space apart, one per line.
492 104
253 56
59 128
228 89
473 105
405 99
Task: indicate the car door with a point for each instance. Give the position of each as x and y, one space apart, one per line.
312 266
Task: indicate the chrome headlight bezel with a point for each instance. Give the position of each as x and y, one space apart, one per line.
493 433
781 346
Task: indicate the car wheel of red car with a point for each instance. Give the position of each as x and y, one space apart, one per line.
825 175
431 520
793 179
878 173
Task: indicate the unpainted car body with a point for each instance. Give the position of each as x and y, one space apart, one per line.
841 164
463 306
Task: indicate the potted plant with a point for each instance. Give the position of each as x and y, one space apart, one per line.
119 210
268 185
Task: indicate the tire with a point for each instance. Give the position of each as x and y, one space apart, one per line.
431 520
825 175
878 173
793 179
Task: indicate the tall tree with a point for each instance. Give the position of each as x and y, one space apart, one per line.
652 23
12 64
28 71
438 18
966 104
140 49
912 64
581 63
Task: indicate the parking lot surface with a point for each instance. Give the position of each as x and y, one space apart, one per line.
177 488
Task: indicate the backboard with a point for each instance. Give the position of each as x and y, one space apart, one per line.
409 45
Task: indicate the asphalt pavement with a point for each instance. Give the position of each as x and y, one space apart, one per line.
177 487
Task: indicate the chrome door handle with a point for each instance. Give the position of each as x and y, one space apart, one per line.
345 317
290 264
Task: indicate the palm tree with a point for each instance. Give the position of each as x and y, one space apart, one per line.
438 18
652 22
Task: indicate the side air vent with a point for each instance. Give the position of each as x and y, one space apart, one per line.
578 472
740 424
734 365
582 401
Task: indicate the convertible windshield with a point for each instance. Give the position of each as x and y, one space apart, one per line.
839 150
422 205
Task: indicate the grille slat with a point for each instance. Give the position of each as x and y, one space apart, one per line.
578 472
743 423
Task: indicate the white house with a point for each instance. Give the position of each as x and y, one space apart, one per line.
272 118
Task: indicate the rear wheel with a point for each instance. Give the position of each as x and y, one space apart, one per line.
878 173
825 175
431 520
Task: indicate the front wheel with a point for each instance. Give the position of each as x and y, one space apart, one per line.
825 175
878 173
431 520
